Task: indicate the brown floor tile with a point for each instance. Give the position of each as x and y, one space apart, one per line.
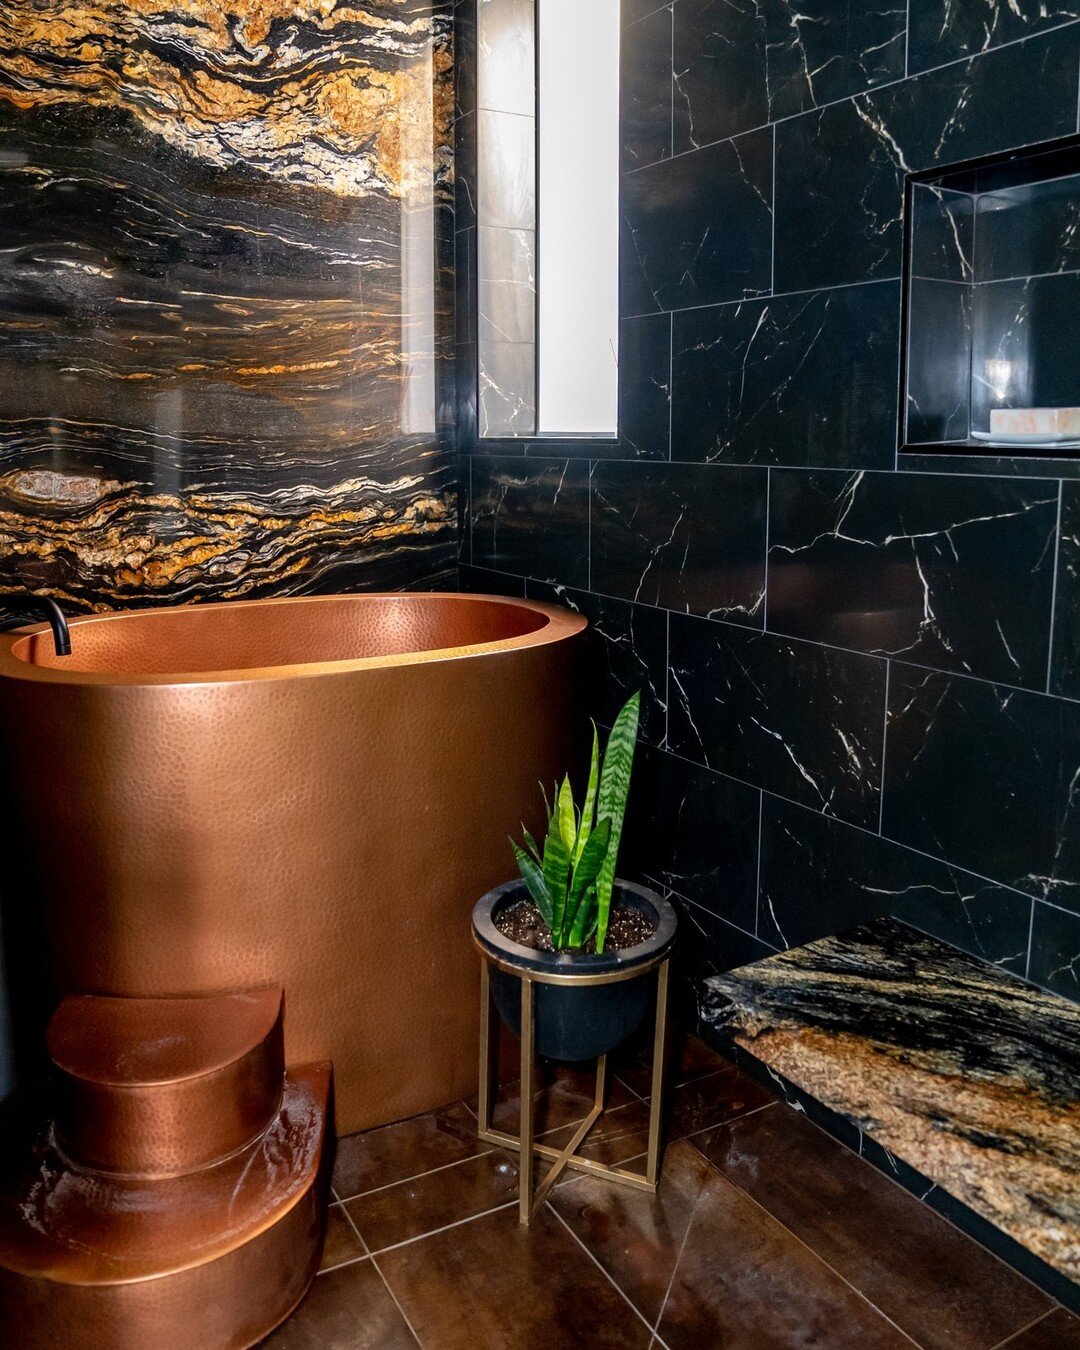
341 1243
346 1309
394 1152
708 1101
637 1237
564 1094
745 1283
492 1283
935 1283
687 1058
621 1133
1059 1331
412 1208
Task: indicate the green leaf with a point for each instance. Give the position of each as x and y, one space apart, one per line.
583 888
530 844
556 880
614 789
534 882
585 914
588 811
564 809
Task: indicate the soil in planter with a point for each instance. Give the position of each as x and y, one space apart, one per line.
521 922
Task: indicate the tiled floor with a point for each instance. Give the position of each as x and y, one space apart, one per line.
765 1234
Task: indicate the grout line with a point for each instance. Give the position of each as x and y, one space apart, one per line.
671 85
445 1228
768 533
884 743
757 884
1020 1330
772 214
415 1176
667 681
678 1259
810 642
1053 591
907 40
969 59
758 297
804 1244
671 389
1030 940
730 1120
397 1301
596 1262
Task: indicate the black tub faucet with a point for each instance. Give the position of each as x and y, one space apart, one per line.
47 608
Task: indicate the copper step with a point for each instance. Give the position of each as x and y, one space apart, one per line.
162 1086
211 1260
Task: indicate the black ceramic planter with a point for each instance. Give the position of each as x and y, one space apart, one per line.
574 1021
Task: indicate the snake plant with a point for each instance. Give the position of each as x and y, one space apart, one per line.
570 879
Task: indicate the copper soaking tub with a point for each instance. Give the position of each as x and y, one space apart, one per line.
305 792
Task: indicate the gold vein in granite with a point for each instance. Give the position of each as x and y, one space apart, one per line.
141 544
316 94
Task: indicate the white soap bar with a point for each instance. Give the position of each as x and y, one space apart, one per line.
1035 422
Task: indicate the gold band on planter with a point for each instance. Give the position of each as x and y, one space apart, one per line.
524 1142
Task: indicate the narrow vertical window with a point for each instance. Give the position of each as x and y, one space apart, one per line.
547 217
578 217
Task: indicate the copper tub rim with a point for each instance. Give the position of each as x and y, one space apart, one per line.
560 624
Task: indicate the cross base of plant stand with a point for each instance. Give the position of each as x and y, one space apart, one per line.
524 1143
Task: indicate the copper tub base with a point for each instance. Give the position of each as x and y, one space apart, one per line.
177 1250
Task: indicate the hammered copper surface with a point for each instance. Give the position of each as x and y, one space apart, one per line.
213 1259
163 1086
325 827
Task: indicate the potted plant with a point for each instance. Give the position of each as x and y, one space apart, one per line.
568 916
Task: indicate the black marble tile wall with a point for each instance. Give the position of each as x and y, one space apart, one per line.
749 380
861 682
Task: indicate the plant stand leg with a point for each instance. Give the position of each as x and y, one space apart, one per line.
525 1141
527 1126
652 1164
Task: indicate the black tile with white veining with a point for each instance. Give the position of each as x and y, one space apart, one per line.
741 63
708 945
942 30
945 571
795 718
938 406
626 652
1024 345
697 229
1065 659
942 233
645 387
481 581
686 537
804 379
695 832
1028 230
531 517
1055 950
820 876
964 1072
986 776
645 90
840 172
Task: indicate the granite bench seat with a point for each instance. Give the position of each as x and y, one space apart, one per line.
958 1078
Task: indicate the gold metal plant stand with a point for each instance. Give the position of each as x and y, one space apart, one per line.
525 1142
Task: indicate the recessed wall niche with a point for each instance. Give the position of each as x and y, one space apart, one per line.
992 306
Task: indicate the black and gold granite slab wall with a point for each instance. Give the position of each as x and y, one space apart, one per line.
224 298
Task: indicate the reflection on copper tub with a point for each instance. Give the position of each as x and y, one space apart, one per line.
305 792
